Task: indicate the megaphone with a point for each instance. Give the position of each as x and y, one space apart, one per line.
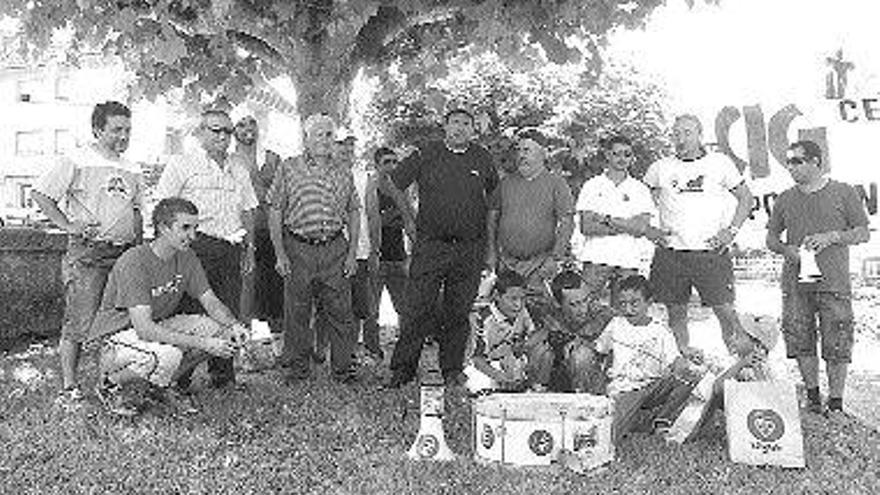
430 443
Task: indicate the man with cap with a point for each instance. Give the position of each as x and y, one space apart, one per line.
262 292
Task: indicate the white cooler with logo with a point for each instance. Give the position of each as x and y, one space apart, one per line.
532 429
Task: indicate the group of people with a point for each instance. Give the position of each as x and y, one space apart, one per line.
310 242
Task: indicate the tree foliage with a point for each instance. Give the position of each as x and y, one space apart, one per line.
570 106
225 47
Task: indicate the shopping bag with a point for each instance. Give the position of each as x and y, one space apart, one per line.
763 423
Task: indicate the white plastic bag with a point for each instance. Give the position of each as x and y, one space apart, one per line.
763 423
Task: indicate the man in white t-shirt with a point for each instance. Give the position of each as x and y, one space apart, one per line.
693 190
614 212
95 195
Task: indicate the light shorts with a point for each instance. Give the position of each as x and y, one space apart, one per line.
153 361
800 331
674 273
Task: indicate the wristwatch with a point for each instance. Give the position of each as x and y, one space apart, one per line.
607 220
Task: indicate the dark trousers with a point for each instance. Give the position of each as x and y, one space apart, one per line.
362 302
262 293
222 263
454 268
316 279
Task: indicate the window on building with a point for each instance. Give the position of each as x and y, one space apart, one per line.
28 143
24 196
29 90
63 141
63 88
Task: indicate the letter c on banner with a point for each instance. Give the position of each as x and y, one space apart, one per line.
843 107
778 130
725 118
756 136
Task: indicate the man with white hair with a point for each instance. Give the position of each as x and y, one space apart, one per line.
314 222
530 218
220 187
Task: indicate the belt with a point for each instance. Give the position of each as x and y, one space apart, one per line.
316 240
452 239
106 244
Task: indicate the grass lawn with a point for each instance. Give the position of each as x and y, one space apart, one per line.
323 437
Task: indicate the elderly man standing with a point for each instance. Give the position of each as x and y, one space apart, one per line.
455 178
95 195
692 190
220 187
532 213
314 222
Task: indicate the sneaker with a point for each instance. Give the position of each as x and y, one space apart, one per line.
815 407
114 400
179 402
70 399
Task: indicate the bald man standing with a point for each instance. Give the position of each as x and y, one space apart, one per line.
531 218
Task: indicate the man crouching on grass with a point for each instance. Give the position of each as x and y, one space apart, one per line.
145 338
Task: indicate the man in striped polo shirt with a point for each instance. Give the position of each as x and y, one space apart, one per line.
314 222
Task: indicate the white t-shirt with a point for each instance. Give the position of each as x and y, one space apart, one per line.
694 197
627 199
362 178
91 188
640 354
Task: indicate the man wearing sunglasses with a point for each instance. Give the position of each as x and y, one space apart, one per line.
220 187
614 213
693 192
823 217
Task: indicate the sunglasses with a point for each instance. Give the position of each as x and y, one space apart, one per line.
796 160
221 130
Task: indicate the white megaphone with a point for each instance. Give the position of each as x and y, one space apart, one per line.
430 443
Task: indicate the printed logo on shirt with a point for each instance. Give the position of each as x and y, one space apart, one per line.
171 287
116 186
694 185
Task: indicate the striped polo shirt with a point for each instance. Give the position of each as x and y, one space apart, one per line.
314 200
